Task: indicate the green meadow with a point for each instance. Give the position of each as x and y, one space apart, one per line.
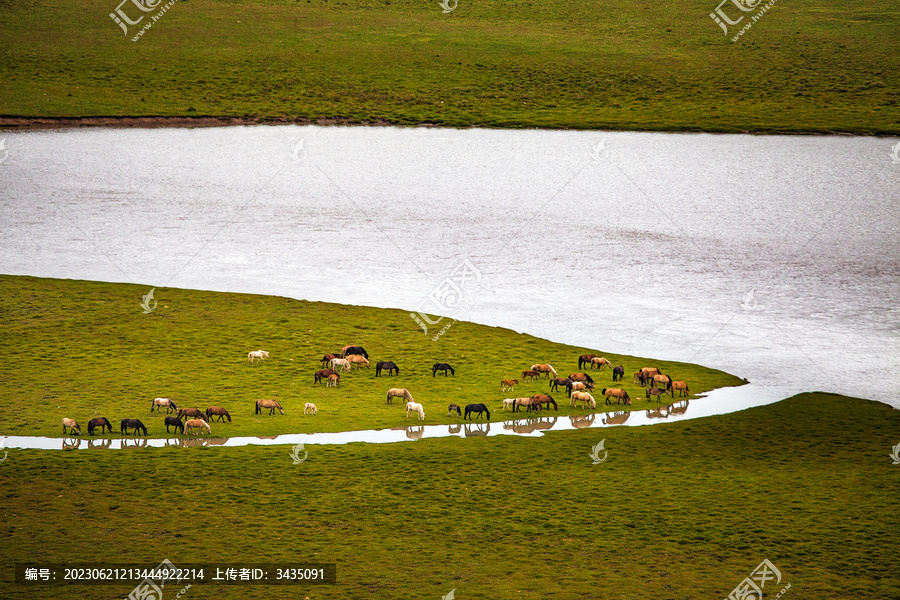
598 64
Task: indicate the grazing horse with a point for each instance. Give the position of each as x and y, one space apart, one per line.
257 354
126 424
583 377
334 380
599 362
217 411
585 397
310 409
174 422
398 393
323 374
559 381
167 402
272 405
639 377
415 407
681 386
453 407
544 368
477 408
652 391
618 373
184 413
348 350
326 360
71 424
340 363
101 422
508 403
198 424
506 385
578 386
619 394
386 365
662 381
585 359
526 375
442 367
541 399
529 404
359 360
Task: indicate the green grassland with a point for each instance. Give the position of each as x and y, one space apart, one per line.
81 349
803 67
679 510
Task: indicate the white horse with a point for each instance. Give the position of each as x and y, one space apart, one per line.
310 409
339 363
260 354
508 403
167 402
72 425
415 406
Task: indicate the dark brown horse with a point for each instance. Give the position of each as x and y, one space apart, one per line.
655 392
584 377
217 411
196 413
618 373
526 375
176 423
477 409
619 394
323 374
135 424
559 381
326 360
386 365
101 422
452 408
442 367
541 399
585 359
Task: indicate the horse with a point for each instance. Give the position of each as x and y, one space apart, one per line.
359 360
662 381
386 365
348 350
334 380
619 394
618 373
618 418
658 413
218 411
167 402
581 421
679 408
585 359
578 386
442 367
584 396
191 412
526 375
529 404
583 377
541 399
101 422
198 424
398 393
310 409
272 405
257 354
174 422
72 425
340 363
599 362
453 407
559 381
322 374
639 377
325 360
508 403
506 385
681 386
477 408
135 424
652 391
544 368
416 407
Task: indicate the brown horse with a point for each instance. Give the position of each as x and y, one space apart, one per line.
526 375
585 359
661 381
334 380
217 411
618 373
322 374
272 405
544 368
619 394
184 413
578 386
198 424
398 393
681 386
583 377
599 362
101 422
529 404
559 381
541 399
326 360
507 385
639 378
71 424
359 360
655 392
585 397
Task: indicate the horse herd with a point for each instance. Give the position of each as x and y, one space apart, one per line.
577 385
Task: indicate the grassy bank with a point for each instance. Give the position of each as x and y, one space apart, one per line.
677 511
81 349
828 66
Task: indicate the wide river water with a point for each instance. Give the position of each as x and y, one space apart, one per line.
771 257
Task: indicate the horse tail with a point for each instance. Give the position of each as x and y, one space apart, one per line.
258 410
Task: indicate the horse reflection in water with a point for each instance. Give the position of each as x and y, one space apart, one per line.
454 428
476 429
658 413
581 421
617 418
71 443
102 444
679 408
531 425
413 432
134 443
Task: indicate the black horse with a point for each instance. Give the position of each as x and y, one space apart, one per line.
134 424
387 365
175 422
101 422
559 381
618 373
356 350
442 367
477 408
455 407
